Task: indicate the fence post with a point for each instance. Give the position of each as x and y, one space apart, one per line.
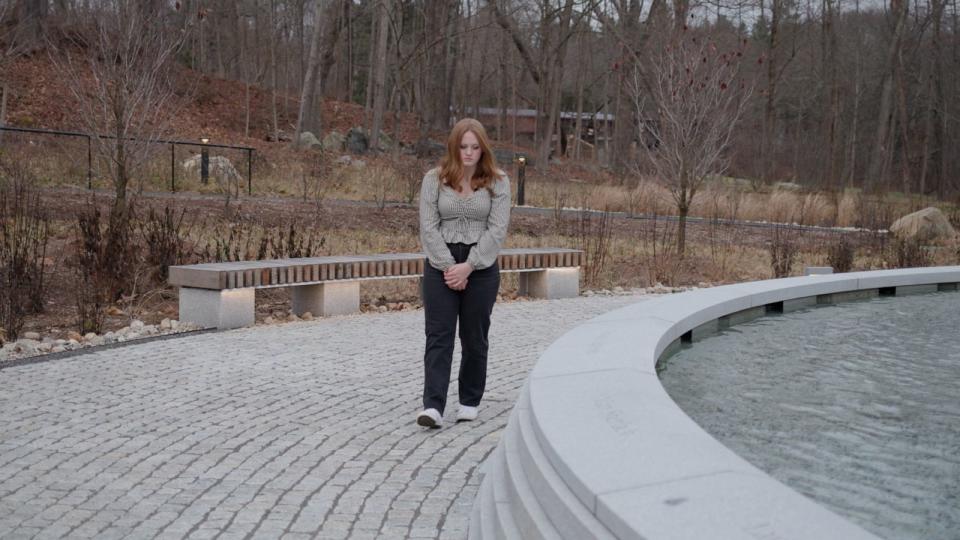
249 171
173 168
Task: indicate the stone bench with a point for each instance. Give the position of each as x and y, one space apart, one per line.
221 295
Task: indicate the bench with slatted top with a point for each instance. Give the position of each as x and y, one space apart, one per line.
221 295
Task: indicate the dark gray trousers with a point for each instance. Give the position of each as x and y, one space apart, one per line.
443 308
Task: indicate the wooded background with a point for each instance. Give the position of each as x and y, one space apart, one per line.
845 93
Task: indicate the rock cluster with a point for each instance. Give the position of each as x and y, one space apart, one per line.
659 288
32 344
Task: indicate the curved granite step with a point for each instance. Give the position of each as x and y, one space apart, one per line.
533 522
506 526
567 513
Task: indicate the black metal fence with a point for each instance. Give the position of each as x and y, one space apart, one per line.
173 146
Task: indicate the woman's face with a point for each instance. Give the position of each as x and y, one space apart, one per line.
469 150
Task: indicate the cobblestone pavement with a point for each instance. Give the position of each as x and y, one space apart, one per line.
299 430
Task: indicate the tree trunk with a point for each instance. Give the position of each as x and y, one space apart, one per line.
4 90
380 72
452 62
331 35
553 55
308 119
435 85
851 172
633 42
767 145
905 140
578 127
34 21
830 166
884 139
348 21
273 71
937 113
503 82
683 210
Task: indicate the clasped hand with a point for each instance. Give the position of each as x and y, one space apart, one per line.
456 276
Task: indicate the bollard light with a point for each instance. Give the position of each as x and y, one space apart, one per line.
521 177
204 161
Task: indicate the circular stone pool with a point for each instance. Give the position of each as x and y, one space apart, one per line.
854 405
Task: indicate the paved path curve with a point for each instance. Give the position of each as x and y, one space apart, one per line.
300 430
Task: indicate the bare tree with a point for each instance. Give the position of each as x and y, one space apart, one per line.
309 118
882 149
118 66
696 96
379 67
557 24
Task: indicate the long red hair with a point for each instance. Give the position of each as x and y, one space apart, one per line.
451 167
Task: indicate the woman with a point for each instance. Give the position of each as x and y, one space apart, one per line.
464 212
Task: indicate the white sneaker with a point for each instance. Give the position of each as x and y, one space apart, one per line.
466 413
430 418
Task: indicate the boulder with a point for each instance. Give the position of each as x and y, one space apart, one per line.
925 226
220 169
26 347
334 141
357 141
281 136
386 144
308 140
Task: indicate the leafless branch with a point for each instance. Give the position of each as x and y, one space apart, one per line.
688 116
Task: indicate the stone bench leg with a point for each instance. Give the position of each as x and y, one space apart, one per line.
232 308
551 283
324 299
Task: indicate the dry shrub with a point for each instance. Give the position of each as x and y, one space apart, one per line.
848 210
908 253
24 232
559 203
840 254
783 251
754 206
312 174
611 198
719 204
292 243
234 242
164 237
106 262
247 242
384 180
411 176
819 210
594 239
664 264
782 206
874 212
